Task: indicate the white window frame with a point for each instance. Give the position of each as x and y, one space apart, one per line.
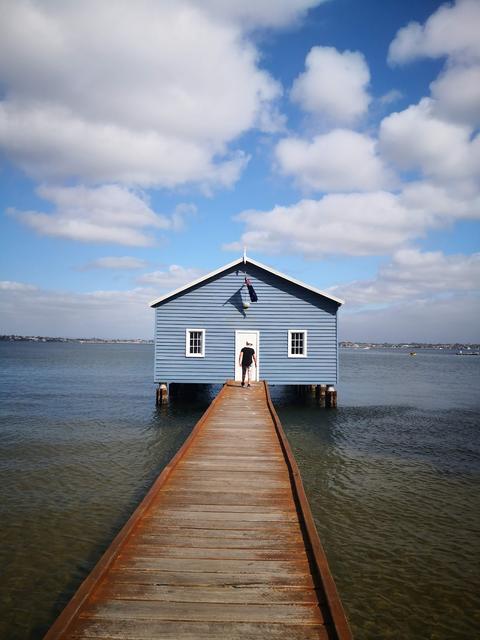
187 343
289 347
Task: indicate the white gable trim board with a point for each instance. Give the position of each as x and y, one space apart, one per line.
243 261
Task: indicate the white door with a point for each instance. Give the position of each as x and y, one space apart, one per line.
241 339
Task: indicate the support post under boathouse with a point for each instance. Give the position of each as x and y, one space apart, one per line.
200 329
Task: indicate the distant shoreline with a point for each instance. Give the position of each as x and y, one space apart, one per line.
17 338
454 346
344 344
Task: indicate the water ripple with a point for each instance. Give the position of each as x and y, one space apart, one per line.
393 478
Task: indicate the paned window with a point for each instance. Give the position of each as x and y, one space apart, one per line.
297 343
195 343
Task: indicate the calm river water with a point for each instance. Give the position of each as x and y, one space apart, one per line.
393 478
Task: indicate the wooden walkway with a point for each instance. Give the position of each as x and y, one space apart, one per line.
223 545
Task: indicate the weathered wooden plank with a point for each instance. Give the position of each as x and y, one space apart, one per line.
199 579
224 439
228 482
202 523
248 429
108 629
226 516
242 475
239 460
173 504
247 418
253 431
181 539
204 612
249 424
238 455
264 567
215 495
236 428
253 463
239 410
235 448
271 486
238 595
211 493
144 550
226 465
232 475
219 534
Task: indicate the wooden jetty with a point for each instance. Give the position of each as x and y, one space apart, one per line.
222 546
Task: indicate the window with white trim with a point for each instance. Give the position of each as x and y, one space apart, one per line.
195 343
297 343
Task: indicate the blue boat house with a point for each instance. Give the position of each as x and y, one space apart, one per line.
201 327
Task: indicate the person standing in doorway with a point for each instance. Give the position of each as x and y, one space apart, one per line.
246 358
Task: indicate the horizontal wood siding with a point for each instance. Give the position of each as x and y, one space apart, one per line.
216 306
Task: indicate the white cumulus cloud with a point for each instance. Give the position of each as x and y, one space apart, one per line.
457 92
451 31
334 85
116 262
55 143
107 214
415 274
142 93
451 319
170 279
424 296
418 139
447 202
11 285
341 160
259 13
357 224
352 224
29 310
391 96
103 314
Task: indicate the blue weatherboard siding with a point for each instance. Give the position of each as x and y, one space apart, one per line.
216 306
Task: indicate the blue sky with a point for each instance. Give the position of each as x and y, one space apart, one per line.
144 144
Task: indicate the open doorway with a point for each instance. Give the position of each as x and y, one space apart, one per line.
241 339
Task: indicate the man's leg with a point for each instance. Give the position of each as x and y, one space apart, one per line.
244 370
248 375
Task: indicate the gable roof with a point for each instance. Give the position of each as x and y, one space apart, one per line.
238 262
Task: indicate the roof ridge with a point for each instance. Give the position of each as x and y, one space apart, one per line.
244 260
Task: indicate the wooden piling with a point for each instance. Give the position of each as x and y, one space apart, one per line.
162 394
334 399
331 397
321 394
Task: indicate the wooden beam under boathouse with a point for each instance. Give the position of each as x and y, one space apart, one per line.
222 546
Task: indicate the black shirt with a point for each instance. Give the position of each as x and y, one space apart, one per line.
247 357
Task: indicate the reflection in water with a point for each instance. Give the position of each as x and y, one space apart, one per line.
77 453
394 492
392 477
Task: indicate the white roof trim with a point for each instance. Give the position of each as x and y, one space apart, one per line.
194 282
242 261
295 281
